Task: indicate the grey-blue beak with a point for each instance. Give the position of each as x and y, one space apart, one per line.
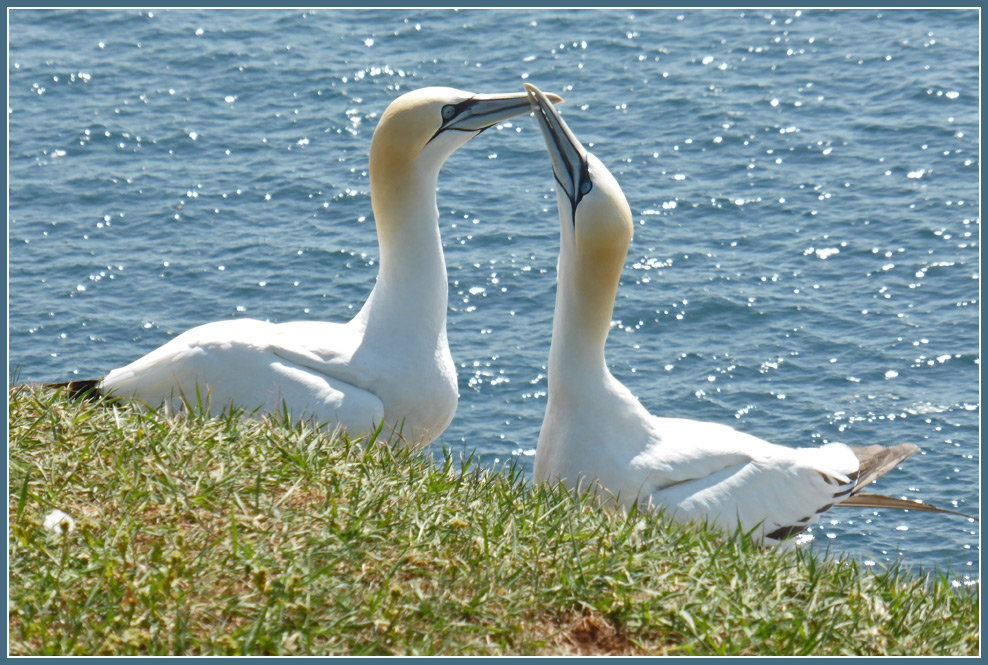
568 156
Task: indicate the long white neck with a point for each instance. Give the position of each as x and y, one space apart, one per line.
411 290
585 291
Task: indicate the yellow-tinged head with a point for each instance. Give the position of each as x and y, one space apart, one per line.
422 128
593 210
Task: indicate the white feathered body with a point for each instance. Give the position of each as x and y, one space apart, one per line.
599 437
326 372
596 436
391 364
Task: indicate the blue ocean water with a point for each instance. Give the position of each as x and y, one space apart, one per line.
805 188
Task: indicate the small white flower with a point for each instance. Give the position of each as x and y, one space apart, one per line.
59 522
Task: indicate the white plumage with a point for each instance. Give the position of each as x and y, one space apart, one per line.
597 436
391 363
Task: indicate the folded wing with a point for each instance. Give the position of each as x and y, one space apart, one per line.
246 364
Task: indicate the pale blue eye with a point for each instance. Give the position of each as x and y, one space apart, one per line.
585 187
448 112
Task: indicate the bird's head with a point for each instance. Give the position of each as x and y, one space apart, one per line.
429 124
594 215
422 128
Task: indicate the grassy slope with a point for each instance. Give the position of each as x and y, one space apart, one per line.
229 536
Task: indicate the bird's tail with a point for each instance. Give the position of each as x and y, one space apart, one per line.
879 501
85 389
873 463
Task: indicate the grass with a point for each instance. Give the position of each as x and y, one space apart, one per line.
226 536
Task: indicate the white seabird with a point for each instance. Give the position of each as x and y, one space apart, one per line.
597 436
390 365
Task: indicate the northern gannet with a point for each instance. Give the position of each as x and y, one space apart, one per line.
596 435
391 363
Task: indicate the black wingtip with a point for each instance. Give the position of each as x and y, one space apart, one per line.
85 389
787 532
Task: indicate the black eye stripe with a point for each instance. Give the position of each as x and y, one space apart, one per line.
457 110
585 185
446 118
584 188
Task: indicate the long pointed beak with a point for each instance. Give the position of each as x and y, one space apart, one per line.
569 157
483 111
